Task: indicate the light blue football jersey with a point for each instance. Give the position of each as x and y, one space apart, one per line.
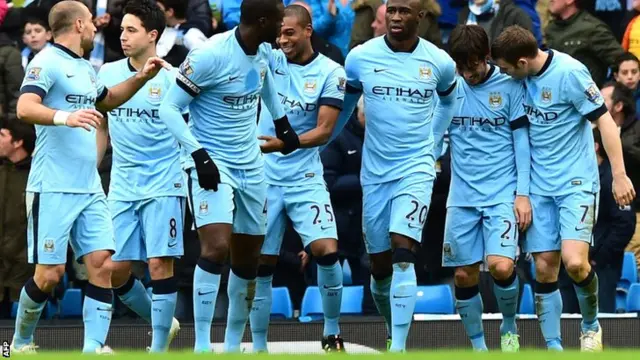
303 89
226 83
146 157
64 159
560 100
399 90
483 159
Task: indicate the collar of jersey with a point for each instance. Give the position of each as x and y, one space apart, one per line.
546 63
241 43
488 75
392 48
309 60
66 49
130 67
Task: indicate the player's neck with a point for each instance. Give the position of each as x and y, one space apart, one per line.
402 45
249 40
538 62
18 156
71 43
303 57
139 61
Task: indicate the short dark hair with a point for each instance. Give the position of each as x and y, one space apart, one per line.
513 43
627 56
21 131
300 13
252 10
179 7
597 139
63 15
149 14
624 95
34 20
468 45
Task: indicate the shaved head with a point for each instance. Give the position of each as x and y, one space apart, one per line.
300 13
64 14
303 4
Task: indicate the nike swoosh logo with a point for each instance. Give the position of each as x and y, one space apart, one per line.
460 98
378 70
231 78
325 227
206 162
104 309
330 287
511 298
507 245
401 296
285 133
172 245
156 300
463 307
280 72
351 152
413 226
205 293
581 229
70 75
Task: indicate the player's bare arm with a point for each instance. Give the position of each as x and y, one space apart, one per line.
31 110
623 190
122 92
102 139
327 117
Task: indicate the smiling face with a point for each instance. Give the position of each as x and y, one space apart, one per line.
294 38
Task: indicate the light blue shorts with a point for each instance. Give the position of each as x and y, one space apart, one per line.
471 233
150 228
240 200
57 219
310 211
400 206
557 218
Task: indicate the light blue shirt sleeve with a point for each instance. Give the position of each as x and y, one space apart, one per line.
38 79
334 89
353 91
446 102
195 74
270 96
583 93
520 126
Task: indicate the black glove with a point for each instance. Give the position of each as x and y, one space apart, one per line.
285 132
208 174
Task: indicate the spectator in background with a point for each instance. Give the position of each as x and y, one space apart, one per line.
107 19
627 72
631 26
333 20
342 160
379 24
11 75
181 35
494 17
530 8
582 36
368 12
36 36
17 141
612 233
199 14
230 14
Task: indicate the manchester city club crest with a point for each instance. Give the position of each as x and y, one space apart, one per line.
495 100
310 86
204 207
546 95
49 246
155 92
424 72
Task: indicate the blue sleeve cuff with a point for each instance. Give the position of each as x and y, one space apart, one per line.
102 95
520 122
33 89
353 90
448 91
597 113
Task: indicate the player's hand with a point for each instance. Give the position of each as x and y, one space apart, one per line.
271 144
623 190
285 132
333 9
152 67
208 173
85 118
522 209
304 260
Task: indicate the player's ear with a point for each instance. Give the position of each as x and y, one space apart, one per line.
421 15
618 107
308 30
153 35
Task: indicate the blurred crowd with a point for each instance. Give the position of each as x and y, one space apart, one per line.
603 34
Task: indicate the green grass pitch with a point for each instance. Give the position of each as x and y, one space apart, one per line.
426 355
